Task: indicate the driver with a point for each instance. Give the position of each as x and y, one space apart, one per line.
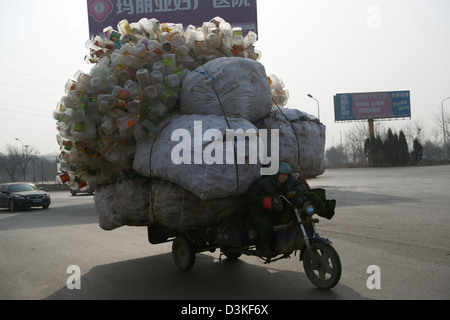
265 206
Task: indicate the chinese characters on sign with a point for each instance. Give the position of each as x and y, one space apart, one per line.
150 6
372 105
132 7
104 13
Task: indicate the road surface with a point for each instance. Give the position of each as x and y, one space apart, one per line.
391 229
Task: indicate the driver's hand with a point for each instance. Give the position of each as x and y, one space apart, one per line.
277 204
291 194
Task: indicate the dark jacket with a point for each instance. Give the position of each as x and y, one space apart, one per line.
267 187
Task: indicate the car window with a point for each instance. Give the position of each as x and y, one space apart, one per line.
4 188
22 187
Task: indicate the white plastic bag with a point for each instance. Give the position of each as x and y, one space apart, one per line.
178 209
190 162
124 203
236 87
301 141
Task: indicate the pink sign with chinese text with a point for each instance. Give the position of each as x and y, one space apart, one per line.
104 13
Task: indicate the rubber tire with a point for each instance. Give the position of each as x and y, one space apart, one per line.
231 255
323 278
11 206
183 253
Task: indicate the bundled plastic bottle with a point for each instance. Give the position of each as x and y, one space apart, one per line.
150 93
157 77
171 100
199 44
175 37
120 93
169 63
134 106
172 80
65 120
99 42
127 122
134 89
279 95
143 78
108 125
124 27
111 34
238 40
136 51
105 103
250 39
156 110
135 82
190 36
145 129
99 84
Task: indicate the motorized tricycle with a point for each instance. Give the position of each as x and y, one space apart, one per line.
234 237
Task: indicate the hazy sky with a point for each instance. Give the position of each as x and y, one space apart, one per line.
321 47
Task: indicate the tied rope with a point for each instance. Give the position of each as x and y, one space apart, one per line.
284 115
224 115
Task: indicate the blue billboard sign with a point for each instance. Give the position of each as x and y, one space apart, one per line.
372 105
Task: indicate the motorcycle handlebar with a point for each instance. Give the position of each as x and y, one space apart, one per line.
305 204
286 200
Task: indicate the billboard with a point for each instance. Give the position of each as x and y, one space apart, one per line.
372 105
104 13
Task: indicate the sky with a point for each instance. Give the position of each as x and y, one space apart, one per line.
320 47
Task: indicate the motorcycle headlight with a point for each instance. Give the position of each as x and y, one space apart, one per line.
310 209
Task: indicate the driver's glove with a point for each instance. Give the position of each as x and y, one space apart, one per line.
291 194
277 204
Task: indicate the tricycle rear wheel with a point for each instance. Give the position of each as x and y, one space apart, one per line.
231 255
183 253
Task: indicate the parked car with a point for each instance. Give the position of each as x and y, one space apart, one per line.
22 195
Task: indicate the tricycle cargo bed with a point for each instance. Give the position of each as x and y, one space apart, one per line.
154 202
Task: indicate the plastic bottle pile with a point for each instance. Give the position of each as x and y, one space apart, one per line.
135 83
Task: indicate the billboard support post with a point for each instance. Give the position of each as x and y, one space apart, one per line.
371 129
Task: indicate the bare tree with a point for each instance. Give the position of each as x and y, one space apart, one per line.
354 142
17 161
10 161
443 124
414 131
28 157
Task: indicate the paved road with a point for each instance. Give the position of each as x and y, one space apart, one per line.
395 218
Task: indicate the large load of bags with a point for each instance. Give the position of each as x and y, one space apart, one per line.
167 127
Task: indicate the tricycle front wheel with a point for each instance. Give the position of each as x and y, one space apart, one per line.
183 253
324 271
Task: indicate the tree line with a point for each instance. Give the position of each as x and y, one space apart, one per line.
407 146
393 151
26 165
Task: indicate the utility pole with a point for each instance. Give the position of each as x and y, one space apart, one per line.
443 128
